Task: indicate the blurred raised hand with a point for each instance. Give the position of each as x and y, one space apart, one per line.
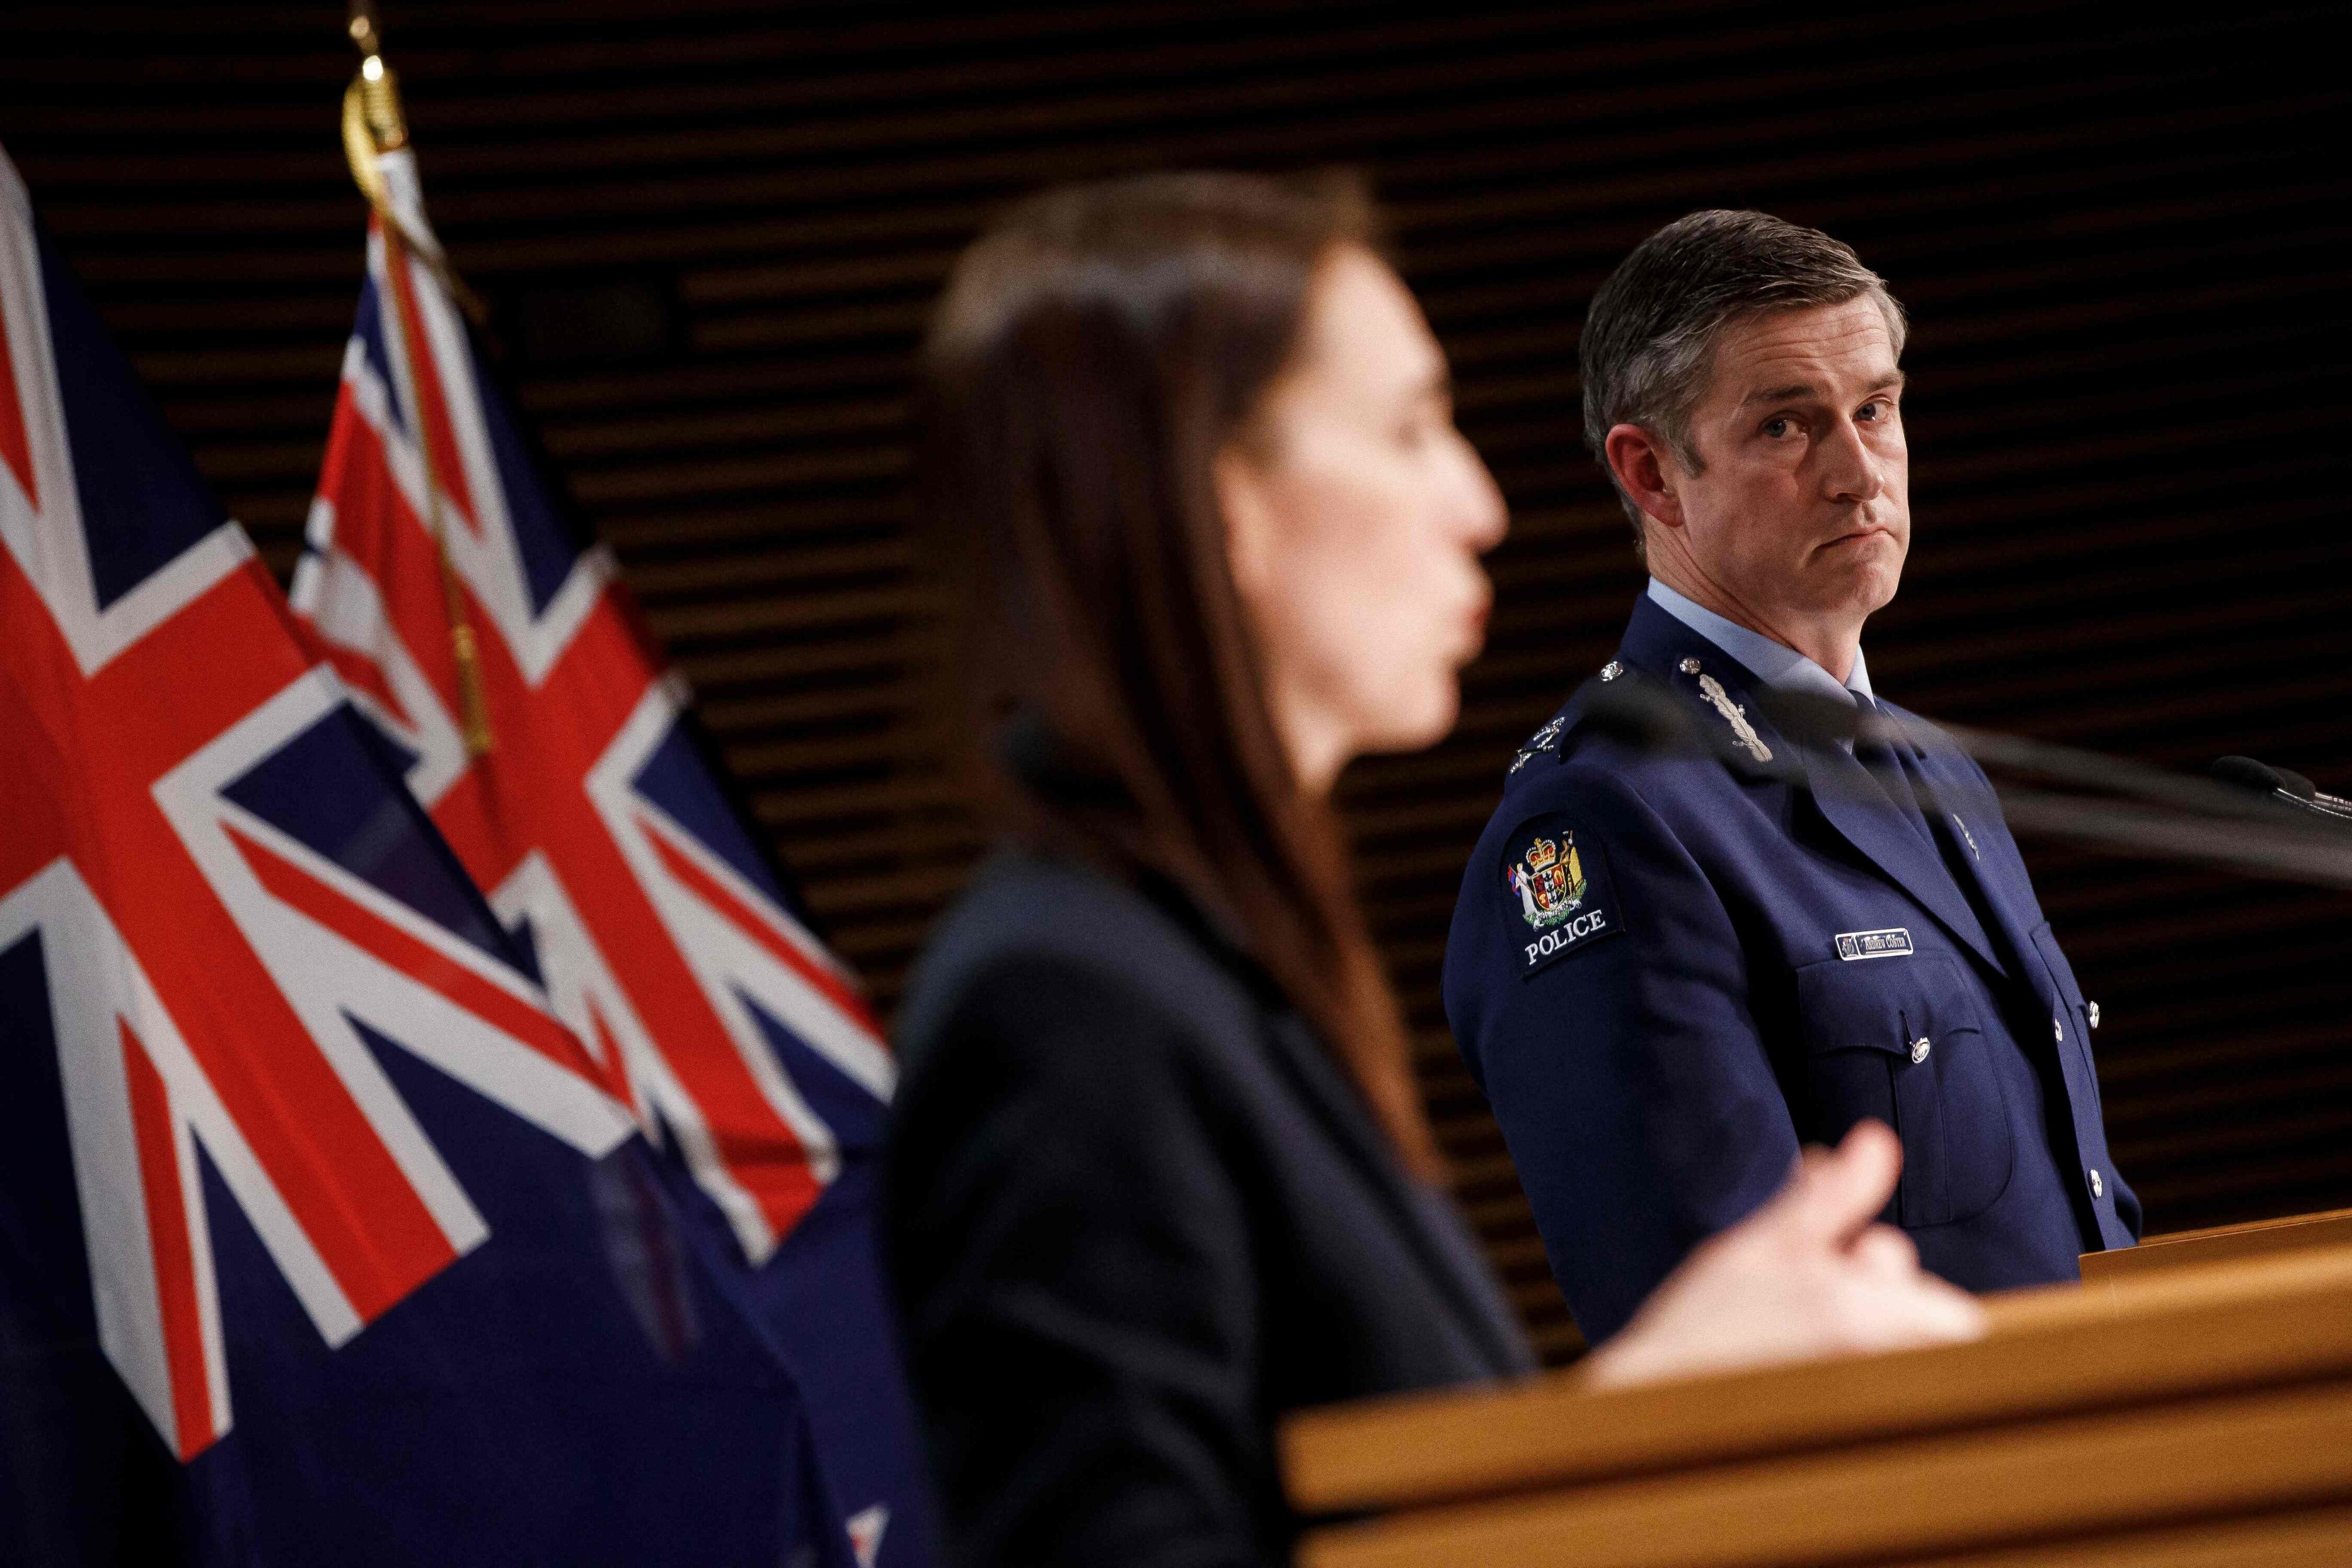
1809 1274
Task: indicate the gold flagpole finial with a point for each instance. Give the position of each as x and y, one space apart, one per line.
375 126
379 88
373 122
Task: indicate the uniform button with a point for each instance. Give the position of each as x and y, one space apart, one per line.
2098 1187
2057 1029
1920 1048
2092 1008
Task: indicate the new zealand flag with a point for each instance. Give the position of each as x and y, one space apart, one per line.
321 1238
583 805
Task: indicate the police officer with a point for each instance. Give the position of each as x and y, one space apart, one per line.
1670 968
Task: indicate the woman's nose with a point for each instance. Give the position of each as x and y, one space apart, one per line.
1485 517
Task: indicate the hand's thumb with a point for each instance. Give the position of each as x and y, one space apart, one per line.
1839 1194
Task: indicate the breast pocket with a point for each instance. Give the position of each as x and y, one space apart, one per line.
1902 1039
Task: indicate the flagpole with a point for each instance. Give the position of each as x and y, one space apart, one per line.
374 125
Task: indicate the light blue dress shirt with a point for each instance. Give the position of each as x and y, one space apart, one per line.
1776 664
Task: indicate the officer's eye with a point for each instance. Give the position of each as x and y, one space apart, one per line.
1778 426
1871 410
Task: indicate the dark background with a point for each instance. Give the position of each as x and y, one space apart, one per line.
710 231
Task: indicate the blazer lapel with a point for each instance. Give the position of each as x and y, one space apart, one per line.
1862 813
1461 1275
1849 798
1970 812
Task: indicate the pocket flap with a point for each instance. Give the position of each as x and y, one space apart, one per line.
1885 1005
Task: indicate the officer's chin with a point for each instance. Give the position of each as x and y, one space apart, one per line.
1862 575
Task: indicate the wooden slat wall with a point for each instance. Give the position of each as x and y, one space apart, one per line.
2120 233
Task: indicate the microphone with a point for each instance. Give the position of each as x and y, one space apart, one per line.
1645 714
2231 822
2284 785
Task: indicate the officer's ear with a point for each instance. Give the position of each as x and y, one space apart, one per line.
1647 471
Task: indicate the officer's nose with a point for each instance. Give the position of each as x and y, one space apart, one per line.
1851 473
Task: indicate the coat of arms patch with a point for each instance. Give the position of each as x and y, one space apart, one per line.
1550 881
1560 888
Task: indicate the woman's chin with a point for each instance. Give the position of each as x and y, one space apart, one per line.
1415 726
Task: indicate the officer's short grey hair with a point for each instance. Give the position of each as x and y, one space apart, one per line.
1649 339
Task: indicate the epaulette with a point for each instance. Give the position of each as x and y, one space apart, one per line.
1557 728
1687 713
1542 741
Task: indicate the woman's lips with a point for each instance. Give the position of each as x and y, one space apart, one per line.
1473 629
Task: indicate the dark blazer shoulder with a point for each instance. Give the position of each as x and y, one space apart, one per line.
1028 916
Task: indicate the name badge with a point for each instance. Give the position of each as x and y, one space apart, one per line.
1854 945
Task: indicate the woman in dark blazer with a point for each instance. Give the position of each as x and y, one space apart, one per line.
1159 1172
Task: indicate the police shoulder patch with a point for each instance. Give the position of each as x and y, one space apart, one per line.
1556 884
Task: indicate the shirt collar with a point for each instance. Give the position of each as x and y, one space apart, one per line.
1776 664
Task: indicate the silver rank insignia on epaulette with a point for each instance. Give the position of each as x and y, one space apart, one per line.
1539 743
1611 671
1742 731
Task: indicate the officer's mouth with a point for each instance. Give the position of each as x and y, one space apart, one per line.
1859 536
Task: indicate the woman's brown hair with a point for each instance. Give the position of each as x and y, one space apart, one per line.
1094 353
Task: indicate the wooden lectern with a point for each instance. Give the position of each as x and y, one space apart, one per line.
2178 1414
2221 1243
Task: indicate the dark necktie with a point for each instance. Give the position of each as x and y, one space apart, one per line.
1896 766
1889 766
1889 757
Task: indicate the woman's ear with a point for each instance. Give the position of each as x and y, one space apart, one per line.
1647 471
1245 498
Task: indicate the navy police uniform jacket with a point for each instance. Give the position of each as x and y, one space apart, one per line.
1668 969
